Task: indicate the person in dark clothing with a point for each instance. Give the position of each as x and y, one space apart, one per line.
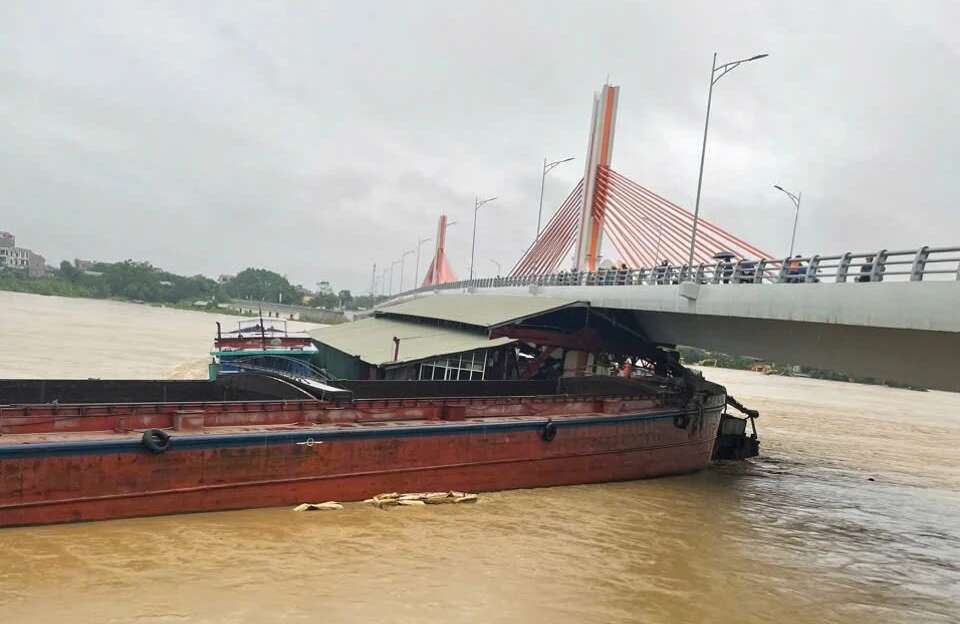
661 271
726 270
748 271
866 270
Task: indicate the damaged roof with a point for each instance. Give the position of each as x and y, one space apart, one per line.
483 311
372 340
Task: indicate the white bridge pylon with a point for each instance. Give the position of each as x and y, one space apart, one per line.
599 153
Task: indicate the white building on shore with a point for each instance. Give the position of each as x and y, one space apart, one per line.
13 257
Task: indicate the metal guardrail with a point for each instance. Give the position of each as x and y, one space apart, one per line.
915 265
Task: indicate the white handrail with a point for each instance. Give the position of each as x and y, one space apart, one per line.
875 266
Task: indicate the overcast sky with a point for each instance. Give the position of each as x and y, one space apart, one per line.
317 139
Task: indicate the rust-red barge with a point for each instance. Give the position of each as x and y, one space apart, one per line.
92 450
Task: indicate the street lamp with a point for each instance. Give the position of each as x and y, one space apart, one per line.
403 257
547 168
498 266
796 202
392 264
477 202
659 237
416 271
714 77
383 281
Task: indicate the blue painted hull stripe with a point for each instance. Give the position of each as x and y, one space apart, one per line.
201 442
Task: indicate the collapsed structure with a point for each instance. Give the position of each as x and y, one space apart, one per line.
481 337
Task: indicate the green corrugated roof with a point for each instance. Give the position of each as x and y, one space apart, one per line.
479 310
372 340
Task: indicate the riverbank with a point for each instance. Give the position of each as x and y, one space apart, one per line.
57 287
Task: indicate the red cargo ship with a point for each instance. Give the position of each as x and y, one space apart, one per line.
92 450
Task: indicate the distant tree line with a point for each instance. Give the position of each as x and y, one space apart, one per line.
141 281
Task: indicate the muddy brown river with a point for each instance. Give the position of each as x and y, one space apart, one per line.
851 514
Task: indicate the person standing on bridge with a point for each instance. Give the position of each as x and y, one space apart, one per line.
726 270
866 270
795 270
661 271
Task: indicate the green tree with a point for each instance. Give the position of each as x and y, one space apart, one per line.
346 299
328 301
68 271
132 280
261 285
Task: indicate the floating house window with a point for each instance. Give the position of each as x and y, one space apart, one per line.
460 367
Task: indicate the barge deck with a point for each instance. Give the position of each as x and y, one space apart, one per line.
64 460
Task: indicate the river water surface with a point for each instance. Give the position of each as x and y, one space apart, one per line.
851 514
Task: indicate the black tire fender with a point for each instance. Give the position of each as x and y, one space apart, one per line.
680 421
549 431
156 440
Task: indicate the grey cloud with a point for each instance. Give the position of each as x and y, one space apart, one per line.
316 139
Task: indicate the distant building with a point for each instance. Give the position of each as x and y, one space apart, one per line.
323 288
13 257
83 265
223 279
36 265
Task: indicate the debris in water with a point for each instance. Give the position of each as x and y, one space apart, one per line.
412 499
327 506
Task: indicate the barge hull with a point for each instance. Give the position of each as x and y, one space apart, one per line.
103 479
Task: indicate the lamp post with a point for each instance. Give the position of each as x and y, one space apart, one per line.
659 237
796 203
383 281
416 271
392 264
477 202
498 266
403 257
714 77
547 168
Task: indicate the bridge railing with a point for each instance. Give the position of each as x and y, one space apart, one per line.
914 265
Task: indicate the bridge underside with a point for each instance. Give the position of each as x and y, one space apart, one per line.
921 358
907 332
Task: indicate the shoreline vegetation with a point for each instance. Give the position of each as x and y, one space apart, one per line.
140 282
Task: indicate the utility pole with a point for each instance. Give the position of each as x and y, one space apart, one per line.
373 282
723 69
473 246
